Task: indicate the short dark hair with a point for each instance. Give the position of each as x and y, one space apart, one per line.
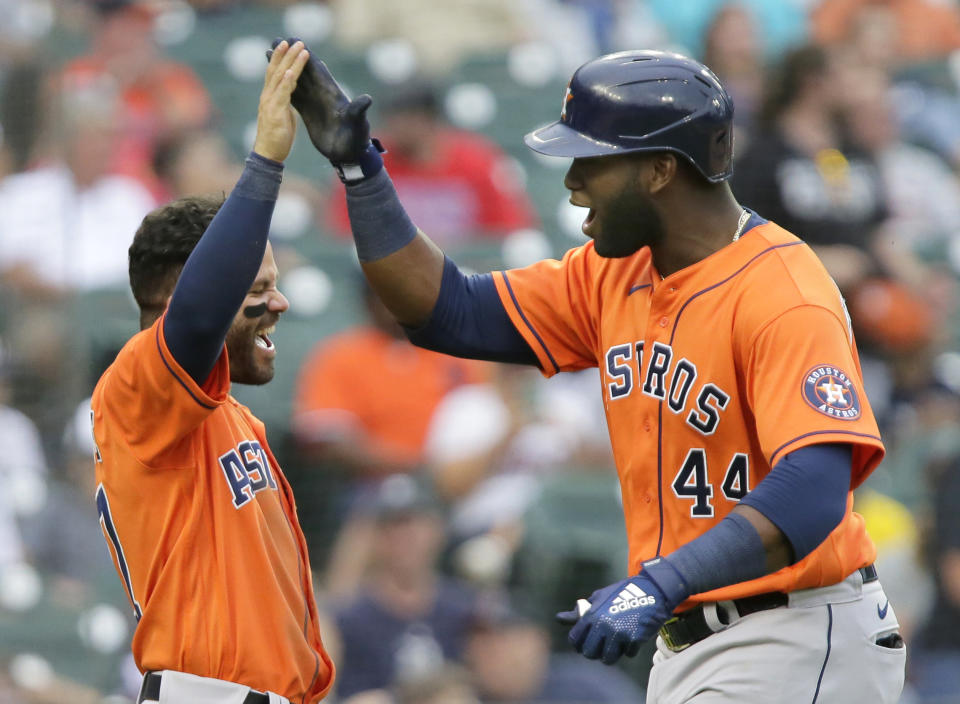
161 246
787 78
416 95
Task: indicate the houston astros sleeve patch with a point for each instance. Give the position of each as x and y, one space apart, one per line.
830 391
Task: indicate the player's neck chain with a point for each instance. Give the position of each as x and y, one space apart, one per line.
741 223
744 217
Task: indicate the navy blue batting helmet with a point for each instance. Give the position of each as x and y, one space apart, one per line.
636 101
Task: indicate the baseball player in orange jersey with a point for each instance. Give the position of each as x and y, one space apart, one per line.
728 370
197 514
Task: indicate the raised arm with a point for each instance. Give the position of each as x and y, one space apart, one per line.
438 305
403 266
224 264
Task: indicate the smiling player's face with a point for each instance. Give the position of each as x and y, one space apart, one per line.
621 218
250 349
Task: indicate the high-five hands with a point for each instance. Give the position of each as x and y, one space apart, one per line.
276 122
337 126
621 617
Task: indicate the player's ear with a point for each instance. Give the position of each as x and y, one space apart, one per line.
663 169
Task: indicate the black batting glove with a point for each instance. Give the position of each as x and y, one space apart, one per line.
337 126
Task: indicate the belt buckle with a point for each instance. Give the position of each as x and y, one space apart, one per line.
667 638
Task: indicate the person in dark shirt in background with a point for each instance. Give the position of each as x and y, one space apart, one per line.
800 171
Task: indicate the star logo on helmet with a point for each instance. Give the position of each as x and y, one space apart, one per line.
567 97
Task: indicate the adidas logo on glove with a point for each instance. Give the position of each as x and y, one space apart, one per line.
632 597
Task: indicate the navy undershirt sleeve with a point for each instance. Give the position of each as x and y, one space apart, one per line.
469 320
805 494
221 269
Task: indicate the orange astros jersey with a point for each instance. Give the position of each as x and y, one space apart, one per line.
709 377
203 529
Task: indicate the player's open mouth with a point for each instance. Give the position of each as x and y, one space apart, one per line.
587 221
263 341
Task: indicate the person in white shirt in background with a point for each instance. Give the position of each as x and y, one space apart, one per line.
65 225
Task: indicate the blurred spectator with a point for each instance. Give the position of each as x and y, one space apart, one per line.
22 112
405 619
928 116
490 446
806 172
62 539
801 172
925 96
23 473
509 656
486 445
370 696
61 607
45 353
441 33
194 162
781 24
868 37
455 185
448 685
66 226
365 396
920 29
199 161
921 193
732 49
158 95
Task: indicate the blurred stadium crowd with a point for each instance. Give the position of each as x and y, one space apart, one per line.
452 507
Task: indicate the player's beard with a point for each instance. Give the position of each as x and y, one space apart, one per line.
247 364
627 223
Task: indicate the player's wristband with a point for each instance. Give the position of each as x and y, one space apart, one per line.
729 553
662 573
379 223
368 164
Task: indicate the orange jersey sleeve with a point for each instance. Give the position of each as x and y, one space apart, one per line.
708 377
555 306
145 384
826 402
202 527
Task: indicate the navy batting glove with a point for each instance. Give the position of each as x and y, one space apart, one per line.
625 615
